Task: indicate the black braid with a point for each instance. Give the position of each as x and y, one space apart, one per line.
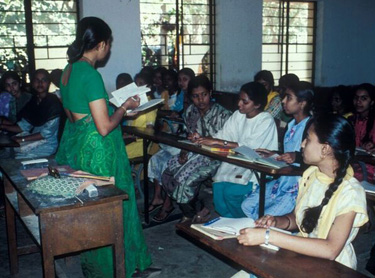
340 136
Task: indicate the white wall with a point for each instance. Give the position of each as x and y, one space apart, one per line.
123 18
238 42
345 40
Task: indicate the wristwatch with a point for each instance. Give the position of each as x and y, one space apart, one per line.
225 143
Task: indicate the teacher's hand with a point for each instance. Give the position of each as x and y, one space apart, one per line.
131 103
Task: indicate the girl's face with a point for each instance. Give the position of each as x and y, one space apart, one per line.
362 102
158 82
183 81
140 81
169 82
247 106
12 86
201 99
291 104
41 83
336 102
311 148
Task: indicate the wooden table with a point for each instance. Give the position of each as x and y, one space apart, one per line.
148 135
61 226
268 263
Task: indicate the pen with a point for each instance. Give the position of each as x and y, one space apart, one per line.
211 221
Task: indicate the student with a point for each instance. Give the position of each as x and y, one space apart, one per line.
11 82
92 141
363 121
341 101
186 171
281 193
40 118
331 203
158 88
146 120
183 78
55 79
248 126
273 105
123 79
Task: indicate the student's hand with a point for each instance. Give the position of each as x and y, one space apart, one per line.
287 157
369 147
265 152
208 141
266 221
131 103
251 236
183 157
194 136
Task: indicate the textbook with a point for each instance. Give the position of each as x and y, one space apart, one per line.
248 154
121 95
224 228
208 148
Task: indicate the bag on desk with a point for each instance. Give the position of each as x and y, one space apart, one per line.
51 186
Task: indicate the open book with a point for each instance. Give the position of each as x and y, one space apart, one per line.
223 228
245 153
121 95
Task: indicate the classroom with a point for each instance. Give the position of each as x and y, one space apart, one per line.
130 130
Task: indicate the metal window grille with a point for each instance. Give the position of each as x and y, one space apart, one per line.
289 38
179 33
36 33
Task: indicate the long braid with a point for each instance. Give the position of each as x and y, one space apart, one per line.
342 143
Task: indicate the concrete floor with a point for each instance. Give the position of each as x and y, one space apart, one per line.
176 256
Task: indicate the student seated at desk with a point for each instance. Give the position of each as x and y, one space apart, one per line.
363 121
281 193
248 126
11 83
186 171
135 149
38 128
331 203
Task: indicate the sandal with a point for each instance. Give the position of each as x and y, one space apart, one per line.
152 207
158 219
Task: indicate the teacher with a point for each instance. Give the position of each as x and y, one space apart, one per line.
92 140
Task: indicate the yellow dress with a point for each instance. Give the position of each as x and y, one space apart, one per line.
350 196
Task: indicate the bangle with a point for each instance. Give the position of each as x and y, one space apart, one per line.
288 222
23 140
124 109
267 236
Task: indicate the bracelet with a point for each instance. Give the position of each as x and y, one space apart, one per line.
124 109
288 222
23 140
267 236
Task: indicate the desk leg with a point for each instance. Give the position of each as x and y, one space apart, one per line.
262 193
145 179
12 237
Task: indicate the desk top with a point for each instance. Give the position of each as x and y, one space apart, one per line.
6 141
268 263
41 203
172 140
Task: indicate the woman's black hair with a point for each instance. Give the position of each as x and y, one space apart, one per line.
9 74
370 89
145 76
90 32
42 71
338 133
304 92
265 75
257 93
187 71
199 81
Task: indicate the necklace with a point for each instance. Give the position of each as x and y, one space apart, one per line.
88 60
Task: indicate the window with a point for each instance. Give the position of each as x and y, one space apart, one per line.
289 38
179 33
36 33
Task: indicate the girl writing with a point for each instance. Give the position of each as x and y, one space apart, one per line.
331 203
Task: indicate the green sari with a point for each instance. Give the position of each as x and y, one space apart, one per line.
83 148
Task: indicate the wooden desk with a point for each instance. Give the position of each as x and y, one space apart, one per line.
148 135
267 263
61 226
7 142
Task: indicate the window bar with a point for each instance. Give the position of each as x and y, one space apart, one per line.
29 36
180 34
287 36
211 49
314 42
